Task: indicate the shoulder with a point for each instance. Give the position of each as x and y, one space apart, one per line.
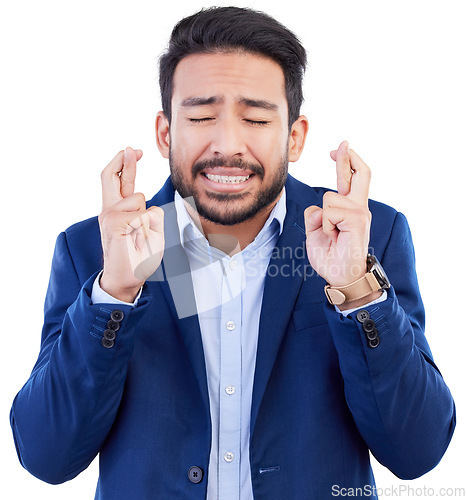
303 194
83 233
387 222
82 242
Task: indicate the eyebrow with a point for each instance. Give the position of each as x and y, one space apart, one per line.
207 101
257 103
201 101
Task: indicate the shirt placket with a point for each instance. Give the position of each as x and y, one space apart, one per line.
230 379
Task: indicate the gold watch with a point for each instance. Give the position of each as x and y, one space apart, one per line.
374 280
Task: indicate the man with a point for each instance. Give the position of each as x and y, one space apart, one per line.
191 344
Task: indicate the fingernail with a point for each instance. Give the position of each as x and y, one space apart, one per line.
126 153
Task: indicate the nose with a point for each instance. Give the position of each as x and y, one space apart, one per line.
228 138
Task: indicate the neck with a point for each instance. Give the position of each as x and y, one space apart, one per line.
233 239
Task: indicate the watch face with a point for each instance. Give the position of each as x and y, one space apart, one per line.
377 270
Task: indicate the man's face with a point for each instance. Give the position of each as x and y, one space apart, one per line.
229 136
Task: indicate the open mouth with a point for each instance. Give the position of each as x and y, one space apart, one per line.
227 179
234 182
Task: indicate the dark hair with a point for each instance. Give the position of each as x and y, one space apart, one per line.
220 29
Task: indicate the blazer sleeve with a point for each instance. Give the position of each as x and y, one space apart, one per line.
397 396
62 415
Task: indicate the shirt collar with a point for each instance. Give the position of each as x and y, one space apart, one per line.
189 231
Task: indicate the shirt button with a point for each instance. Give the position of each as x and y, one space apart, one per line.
230 325
228 457
233 264
230 390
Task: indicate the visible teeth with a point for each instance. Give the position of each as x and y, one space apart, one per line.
227 179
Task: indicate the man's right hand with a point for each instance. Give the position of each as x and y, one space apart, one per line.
132 237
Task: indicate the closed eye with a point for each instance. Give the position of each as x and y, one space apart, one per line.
250 122
257 122
199 120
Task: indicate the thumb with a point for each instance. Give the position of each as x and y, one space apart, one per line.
156 217
312 218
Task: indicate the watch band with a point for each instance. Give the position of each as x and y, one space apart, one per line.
359 289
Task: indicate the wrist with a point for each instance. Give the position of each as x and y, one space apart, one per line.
123 294
356 304
362 291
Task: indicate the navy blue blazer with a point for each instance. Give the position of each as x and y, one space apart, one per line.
322 397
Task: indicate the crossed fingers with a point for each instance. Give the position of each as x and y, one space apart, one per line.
118 177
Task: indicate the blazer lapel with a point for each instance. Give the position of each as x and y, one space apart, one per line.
190 331
174 278
285 275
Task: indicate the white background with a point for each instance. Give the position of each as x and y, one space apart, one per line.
79 83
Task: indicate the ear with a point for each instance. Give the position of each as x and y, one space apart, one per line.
162 134
297 138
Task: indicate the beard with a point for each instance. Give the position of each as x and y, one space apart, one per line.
228 209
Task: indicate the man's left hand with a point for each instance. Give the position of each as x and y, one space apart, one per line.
337 235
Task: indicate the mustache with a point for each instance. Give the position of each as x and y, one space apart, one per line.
255 168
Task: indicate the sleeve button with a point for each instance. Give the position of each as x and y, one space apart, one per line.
117 315
372 335
368 325
362 315
109 334
107 343
113 325
373 343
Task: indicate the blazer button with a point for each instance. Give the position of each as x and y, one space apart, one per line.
195 474
117 315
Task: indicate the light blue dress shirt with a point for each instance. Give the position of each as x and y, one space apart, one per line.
228 292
